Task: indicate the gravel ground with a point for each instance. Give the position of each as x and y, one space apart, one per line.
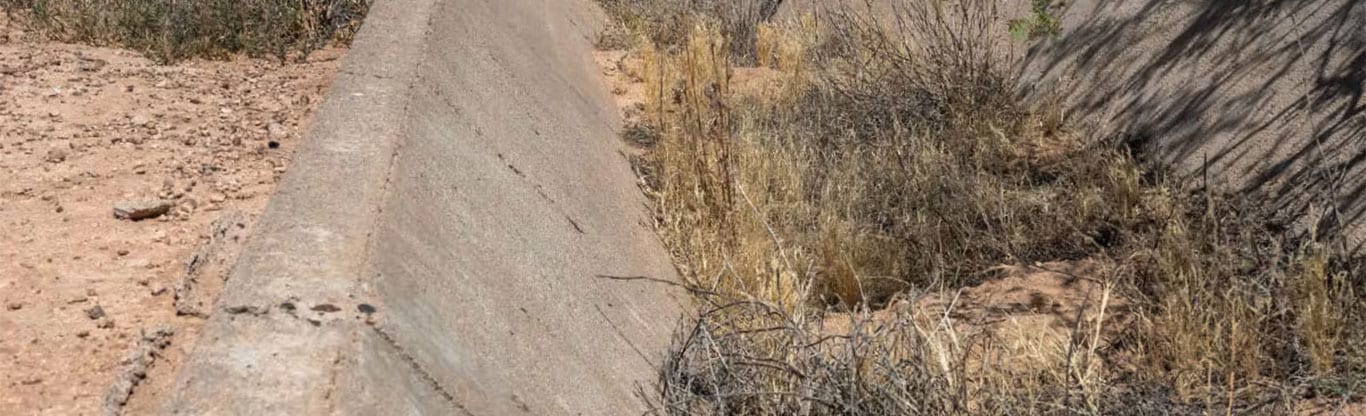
85 297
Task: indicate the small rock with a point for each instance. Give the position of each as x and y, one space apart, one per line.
142 209
105 323
55 156
31 380
95 312
276 131
14 306
123 252
91 64
83 333
139 120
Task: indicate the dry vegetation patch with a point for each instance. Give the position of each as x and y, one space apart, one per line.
169 31
870 169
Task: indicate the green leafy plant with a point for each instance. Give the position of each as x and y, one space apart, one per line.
1041 22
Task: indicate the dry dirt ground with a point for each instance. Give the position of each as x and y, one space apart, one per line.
83 129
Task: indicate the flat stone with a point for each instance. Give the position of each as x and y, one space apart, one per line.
142 209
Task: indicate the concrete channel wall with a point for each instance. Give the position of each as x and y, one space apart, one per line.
436 245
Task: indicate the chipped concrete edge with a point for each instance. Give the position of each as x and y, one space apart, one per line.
288 321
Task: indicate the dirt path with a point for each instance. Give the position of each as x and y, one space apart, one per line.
82 129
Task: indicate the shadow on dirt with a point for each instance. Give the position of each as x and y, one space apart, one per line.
1261 96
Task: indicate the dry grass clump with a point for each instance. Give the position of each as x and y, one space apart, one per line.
667 22
173 30
888 157
1241 317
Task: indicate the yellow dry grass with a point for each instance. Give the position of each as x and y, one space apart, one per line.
859 163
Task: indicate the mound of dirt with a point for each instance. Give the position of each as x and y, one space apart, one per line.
1033 316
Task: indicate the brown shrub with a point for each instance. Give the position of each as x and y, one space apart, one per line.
893 157
169 30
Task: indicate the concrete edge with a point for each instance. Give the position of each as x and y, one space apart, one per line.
286 324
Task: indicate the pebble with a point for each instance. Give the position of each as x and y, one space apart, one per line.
276 131
55 156
142 209
14 306
95 312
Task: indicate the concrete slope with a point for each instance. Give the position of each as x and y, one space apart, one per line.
1260 96
435 246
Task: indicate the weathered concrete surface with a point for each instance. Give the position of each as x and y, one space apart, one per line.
1260 96
435 246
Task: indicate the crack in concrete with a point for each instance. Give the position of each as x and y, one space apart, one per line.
363 74
540 191
575 224
421 371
